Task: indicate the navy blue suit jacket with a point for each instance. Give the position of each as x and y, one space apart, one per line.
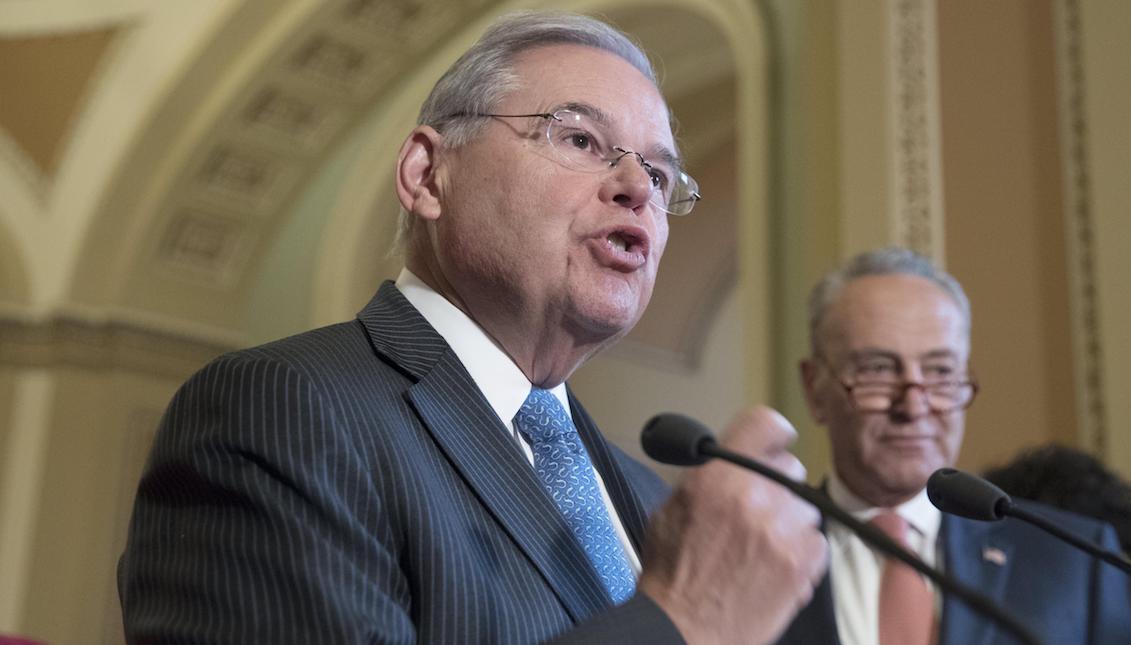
1063 595
352 485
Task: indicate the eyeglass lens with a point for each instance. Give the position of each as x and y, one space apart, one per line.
941 397
584 144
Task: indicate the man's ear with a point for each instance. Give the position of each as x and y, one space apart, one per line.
417 188
810 369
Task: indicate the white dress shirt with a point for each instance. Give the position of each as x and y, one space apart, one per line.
498 377
855 569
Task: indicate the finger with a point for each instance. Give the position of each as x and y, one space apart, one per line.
759 431
788 464
818 546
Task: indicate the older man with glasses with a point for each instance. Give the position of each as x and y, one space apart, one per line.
889 377
422 473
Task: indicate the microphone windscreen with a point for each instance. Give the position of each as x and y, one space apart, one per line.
959 493
675 439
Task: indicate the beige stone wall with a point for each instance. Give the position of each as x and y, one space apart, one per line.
101 426
1005 221
81 402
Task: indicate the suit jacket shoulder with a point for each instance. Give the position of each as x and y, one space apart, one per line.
351 484
1061 593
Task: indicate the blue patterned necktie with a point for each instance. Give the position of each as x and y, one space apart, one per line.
567 474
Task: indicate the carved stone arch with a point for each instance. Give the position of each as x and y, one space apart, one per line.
182 234
159 185
14 287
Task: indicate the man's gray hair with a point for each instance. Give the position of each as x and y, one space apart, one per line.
484 74
885 261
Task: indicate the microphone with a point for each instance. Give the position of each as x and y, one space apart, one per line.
675 439
960 493
682 441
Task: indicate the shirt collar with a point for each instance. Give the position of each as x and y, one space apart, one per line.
918 511
497 376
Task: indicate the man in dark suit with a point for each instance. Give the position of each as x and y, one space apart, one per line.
422 473
889 378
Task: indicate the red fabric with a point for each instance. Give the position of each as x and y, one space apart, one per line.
907 606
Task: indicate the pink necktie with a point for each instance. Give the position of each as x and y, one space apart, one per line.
907 606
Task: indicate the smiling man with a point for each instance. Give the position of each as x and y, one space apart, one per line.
889 377
423 473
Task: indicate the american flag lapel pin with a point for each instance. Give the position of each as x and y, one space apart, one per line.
994 555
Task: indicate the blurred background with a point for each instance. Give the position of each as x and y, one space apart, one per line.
182 178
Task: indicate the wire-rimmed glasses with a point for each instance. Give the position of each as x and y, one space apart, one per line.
881 393
583 143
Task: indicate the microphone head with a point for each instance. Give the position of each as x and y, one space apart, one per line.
959 493
675 439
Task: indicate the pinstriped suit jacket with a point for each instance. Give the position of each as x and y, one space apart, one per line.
352 485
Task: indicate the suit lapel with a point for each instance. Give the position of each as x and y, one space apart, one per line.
627 503
398 332
975 558
455 412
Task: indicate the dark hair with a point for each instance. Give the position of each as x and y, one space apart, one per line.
1072 480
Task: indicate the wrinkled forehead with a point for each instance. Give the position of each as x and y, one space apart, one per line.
904 314
550 77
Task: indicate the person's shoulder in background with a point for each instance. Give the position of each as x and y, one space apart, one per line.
1066 478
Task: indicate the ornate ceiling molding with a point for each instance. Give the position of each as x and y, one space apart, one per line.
45 18
244 121
1080 229
93 72
21 177
273 134
73 339
917 156
47 80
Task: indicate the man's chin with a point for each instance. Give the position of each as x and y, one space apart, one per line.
608 311
908 485
604 326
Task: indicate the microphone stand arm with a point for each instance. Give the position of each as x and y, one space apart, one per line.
876 538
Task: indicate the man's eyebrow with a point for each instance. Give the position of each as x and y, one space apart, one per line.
940 353
589 110
874 352
661 153
870 353
658 152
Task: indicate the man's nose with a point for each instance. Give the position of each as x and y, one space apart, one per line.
629 184
913 402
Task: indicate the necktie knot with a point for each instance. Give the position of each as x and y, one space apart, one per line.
543 419
893 525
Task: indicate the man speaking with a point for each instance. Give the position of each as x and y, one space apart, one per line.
422 473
